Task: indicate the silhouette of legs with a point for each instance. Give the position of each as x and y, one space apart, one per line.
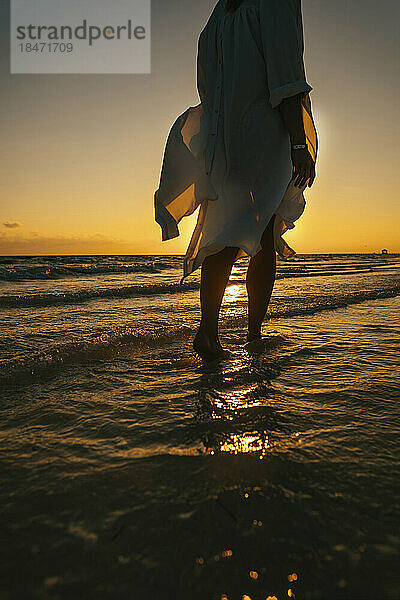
260 282
215 272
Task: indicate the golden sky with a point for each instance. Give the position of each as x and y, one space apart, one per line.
81 154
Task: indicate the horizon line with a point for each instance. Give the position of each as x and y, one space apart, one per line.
182 255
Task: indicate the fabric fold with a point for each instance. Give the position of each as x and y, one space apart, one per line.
229 156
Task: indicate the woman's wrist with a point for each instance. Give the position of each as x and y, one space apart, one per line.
300 146
298 138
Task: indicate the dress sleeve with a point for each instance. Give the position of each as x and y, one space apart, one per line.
283 45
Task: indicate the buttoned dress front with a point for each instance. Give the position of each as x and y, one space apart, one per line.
230 155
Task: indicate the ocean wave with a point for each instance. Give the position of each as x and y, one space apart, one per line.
58 267
85 295
43 299
48 272
320 303
317 271
109 345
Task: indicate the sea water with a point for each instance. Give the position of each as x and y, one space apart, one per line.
130 469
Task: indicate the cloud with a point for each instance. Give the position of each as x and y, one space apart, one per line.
12 224
36 243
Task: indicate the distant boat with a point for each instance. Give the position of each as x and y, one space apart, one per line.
384 251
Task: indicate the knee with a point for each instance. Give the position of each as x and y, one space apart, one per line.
267 240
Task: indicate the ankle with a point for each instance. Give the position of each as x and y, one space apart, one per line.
254 331
253 337
208 331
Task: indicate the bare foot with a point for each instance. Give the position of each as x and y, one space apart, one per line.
208 348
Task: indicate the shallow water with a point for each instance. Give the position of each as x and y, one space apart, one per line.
131 470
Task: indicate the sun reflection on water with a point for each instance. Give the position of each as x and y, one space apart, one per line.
234 292
233 402
245 443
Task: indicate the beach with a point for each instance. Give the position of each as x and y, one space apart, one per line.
133 470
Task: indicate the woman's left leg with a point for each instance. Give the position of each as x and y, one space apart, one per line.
260 281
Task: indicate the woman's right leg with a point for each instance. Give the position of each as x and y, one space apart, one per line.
260 282
215 272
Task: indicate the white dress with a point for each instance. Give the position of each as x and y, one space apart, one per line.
230 155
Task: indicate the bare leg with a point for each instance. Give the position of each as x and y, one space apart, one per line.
260 282
215 272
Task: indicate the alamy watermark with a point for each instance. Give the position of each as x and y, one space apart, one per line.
80 36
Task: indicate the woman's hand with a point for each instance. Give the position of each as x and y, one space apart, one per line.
304 167
303 164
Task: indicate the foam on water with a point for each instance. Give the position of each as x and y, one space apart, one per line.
47 268
85 295
129 339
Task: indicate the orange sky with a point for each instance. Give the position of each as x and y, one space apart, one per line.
81 155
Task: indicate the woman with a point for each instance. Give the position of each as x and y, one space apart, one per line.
245 155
